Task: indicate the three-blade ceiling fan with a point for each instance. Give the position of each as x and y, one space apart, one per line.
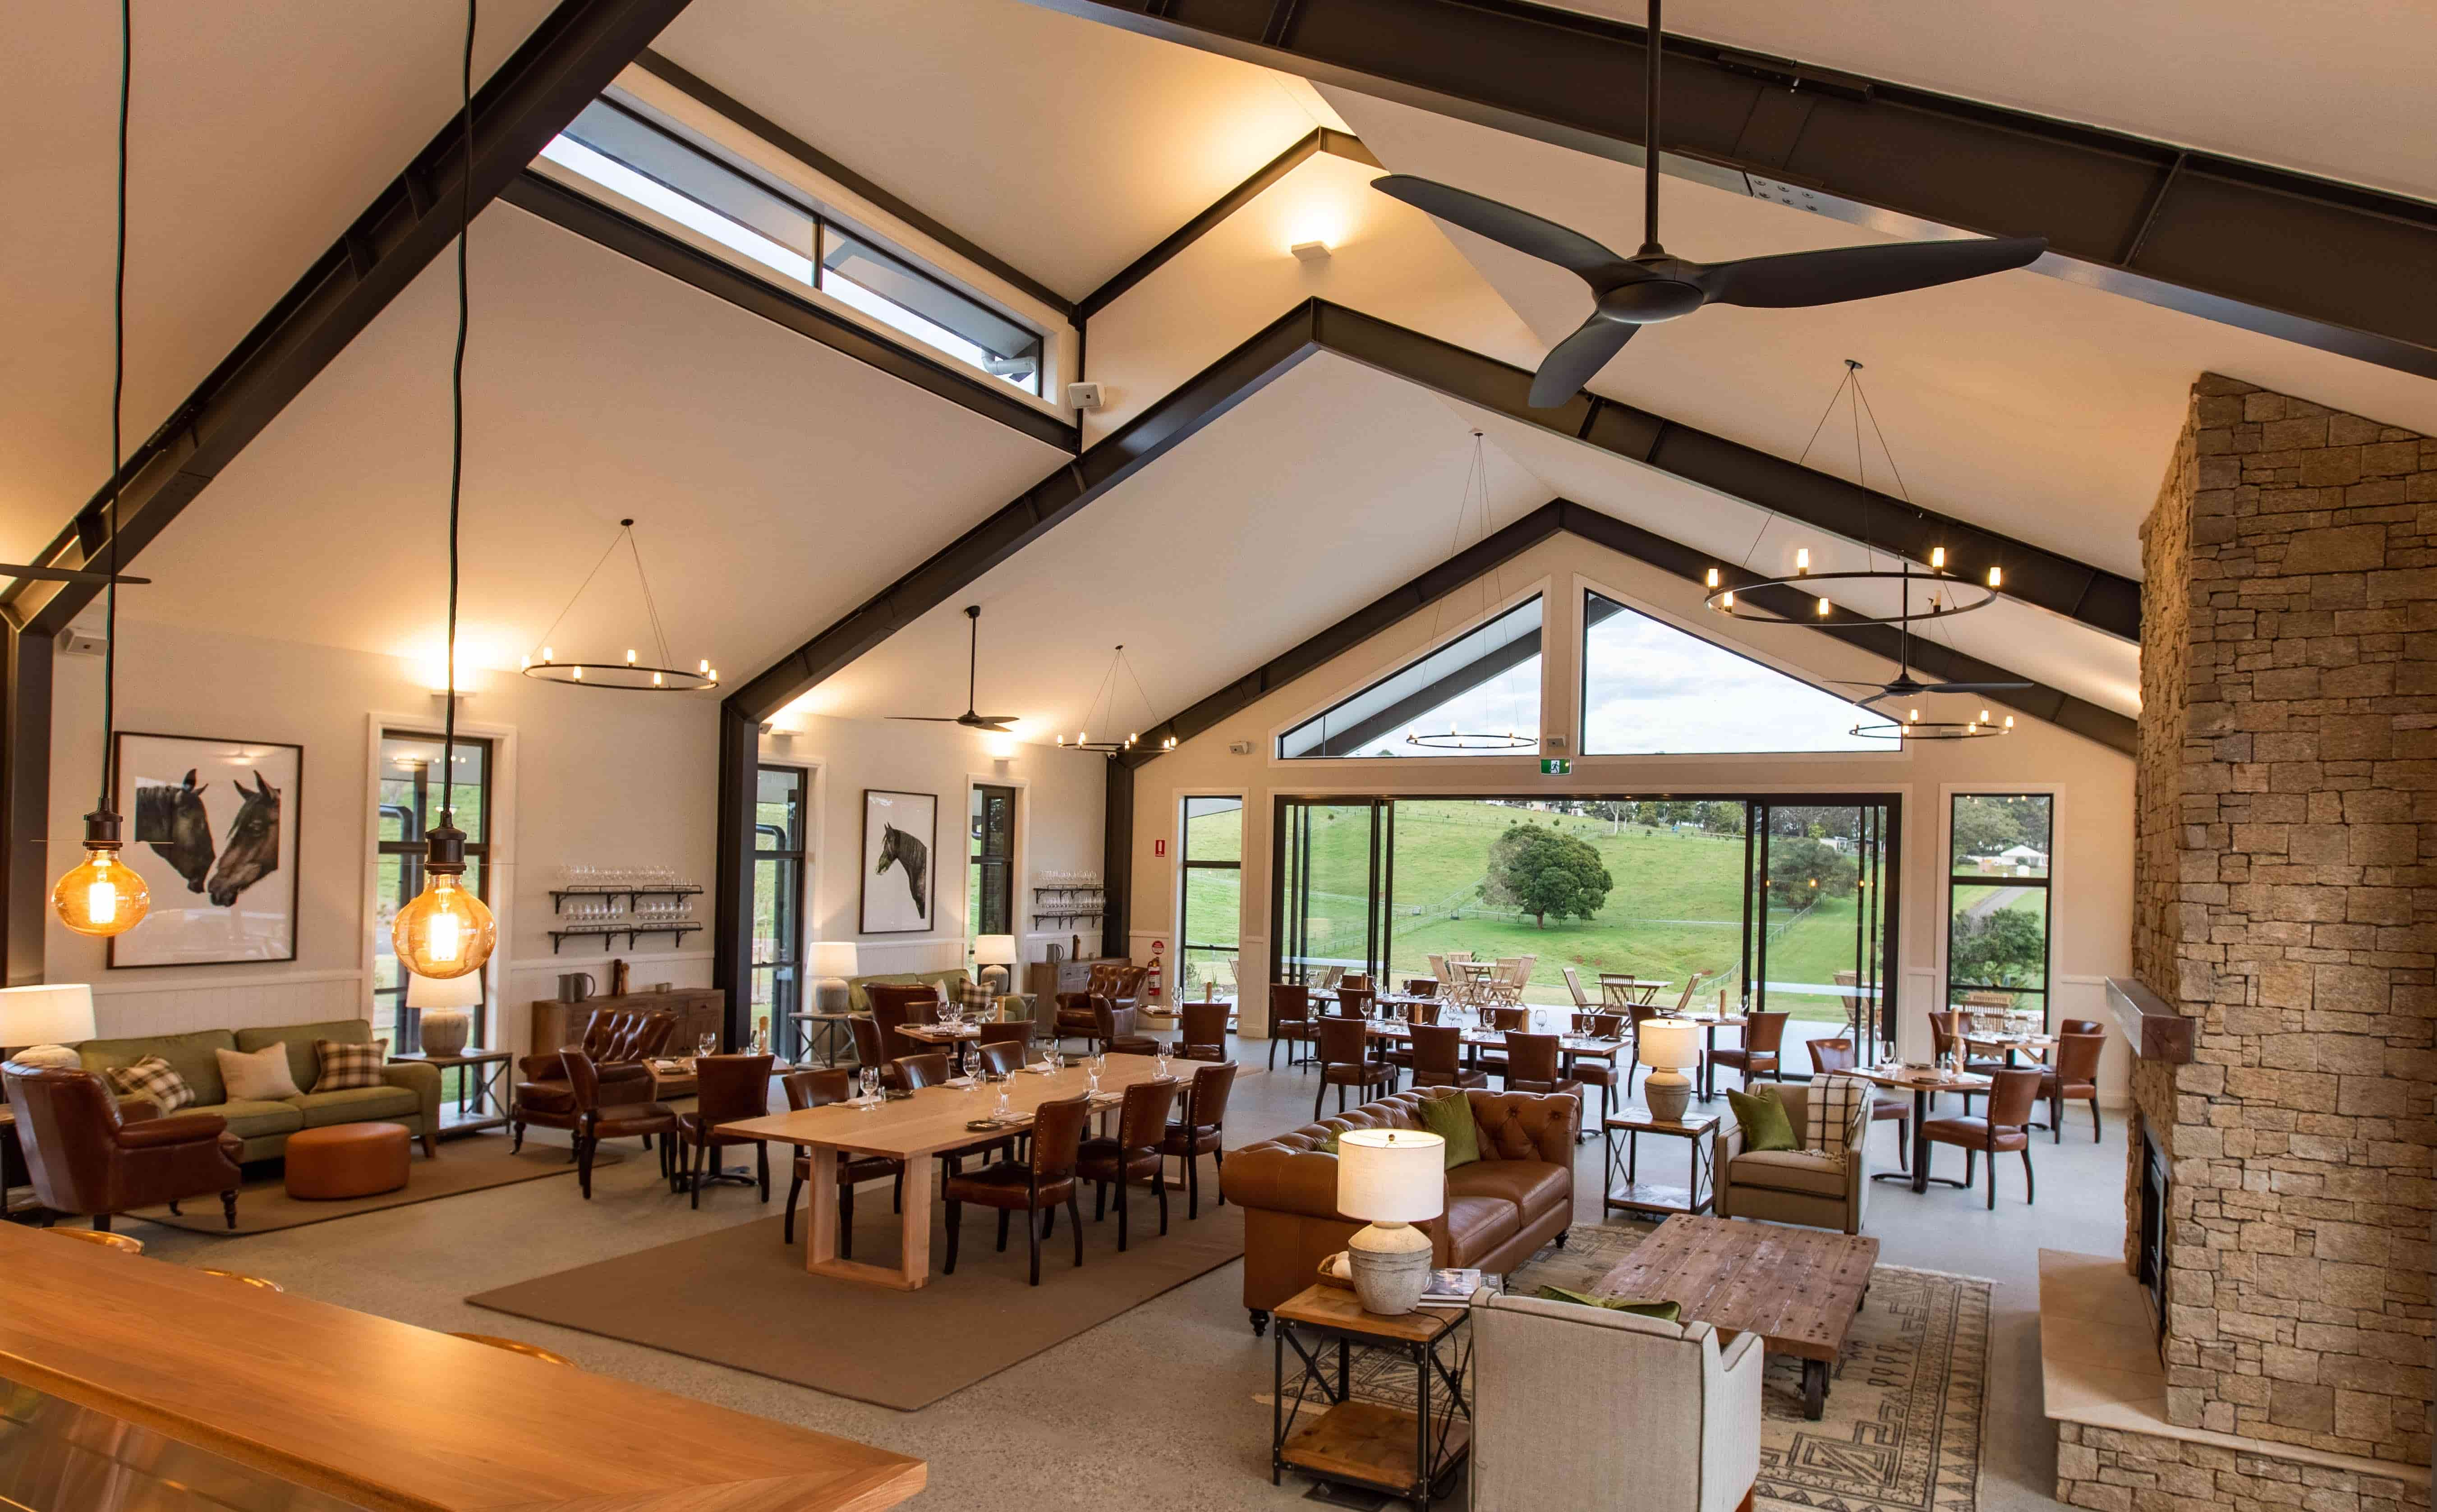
1650 286
995 724
1903 684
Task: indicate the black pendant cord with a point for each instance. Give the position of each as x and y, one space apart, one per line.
117 395
1652 38
457 416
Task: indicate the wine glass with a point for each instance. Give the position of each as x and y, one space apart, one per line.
707 1044
972 1065
1159 1056
1005 1109
1093 1065
869 1077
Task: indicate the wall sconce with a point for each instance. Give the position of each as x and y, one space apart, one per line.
1309 251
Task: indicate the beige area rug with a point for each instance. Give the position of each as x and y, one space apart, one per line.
1901 1431
470 1165
741 1298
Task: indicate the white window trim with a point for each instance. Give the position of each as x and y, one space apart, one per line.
501 861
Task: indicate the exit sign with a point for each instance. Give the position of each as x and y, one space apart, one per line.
1555 766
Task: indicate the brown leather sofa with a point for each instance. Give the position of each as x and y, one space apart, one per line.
1500 1209
612 1037
88 1156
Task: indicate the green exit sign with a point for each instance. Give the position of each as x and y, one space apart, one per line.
1555 766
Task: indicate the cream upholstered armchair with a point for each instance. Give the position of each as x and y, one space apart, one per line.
1571 1404
1794 1186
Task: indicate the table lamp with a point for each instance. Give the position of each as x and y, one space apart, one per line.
1395 1178
48 1017
440 1004
996 951
832 964
1667 1045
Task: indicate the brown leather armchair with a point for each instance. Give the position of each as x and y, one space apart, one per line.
616 1103
1114 1031
612 1037
1120 984
87 1157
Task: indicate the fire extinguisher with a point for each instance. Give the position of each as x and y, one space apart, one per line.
1150 984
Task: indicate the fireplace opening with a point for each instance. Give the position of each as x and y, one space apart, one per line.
2152 1254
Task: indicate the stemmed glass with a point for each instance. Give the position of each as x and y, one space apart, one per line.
972 1065
707 1044
1093 1065
869 1077
1159 1056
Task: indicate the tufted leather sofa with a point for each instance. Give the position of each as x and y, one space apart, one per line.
1500 1209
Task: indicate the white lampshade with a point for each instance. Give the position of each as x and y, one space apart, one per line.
994 950
1670 1044
57 1013
834 958
443 992
1391 1175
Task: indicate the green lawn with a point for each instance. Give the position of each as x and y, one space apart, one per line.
1675 906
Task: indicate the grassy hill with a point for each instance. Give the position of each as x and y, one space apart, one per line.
1675 906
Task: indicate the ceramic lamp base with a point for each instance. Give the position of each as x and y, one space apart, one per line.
1391 1263
445 1031
1667 1094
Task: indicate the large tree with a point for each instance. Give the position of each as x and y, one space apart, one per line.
1543 872
2004 947
1802 872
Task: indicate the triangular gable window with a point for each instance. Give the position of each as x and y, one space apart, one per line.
1650 689
1484 684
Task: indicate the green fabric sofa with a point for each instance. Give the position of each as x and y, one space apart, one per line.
1011 1006
409 1094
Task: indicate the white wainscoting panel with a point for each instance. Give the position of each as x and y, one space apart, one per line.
123 1008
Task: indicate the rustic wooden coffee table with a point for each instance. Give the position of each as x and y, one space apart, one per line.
1798 1288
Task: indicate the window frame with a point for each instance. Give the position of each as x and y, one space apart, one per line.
976 915
787 987
413 849
1948 986
1186 866
1540 592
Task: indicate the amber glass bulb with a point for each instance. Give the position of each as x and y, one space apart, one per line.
101 896
446 931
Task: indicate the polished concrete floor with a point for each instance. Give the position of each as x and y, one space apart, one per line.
1161 1404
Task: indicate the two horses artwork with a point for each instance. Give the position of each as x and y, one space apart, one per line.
172 822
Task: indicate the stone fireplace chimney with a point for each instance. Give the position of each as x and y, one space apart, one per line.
2285 894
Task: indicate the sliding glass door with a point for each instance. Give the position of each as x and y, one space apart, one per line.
1819 941
1334 880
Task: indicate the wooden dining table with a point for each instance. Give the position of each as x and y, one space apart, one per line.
915 1129
2038 1046
1923 1085
1624 989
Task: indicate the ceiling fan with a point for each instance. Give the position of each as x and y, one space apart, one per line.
1651 286
995 724
1904 685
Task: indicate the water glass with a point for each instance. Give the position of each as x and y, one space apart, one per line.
1005 1108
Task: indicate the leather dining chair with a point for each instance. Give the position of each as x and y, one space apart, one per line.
928 1069
616 1102
819 1089
85 1157
1438 1058
1038 1185
1589 1070
1421 987
1203 1036
730 1088
2012 1096
1114 1031
1828 1056
1290 1020
2072 1076
1762 1049
1345 1061
2081 1025
1535 1063
1354 981
868 1049
612 1037
1001 1059
1200 1130
1131 1152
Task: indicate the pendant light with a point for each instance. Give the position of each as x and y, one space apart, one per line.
101 896
1478 741
1109 745
632 674
446 931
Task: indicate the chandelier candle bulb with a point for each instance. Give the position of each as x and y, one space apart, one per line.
1802 560
1996 576
1714 577
1937 558
1823 609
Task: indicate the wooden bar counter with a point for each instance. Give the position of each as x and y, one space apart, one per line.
364 1412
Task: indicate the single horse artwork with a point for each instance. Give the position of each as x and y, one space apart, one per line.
171 820
252 850
913 856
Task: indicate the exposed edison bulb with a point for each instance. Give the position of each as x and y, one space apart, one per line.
1714 577
1823 609
1062 740
1801 560
524 663
446 931
1983 716
101 895
1996 577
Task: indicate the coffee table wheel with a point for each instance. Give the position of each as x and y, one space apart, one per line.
1815 1389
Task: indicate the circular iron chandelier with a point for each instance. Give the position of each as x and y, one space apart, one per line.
1456 739
1110 745
634 674
1913 727
1462 739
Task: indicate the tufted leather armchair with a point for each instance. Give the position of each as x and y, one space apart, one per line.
615 1040
1499 1210
1120 984
87 1156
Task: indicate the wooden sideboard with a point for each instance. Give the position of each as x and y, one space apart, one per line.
699 1010
1046 979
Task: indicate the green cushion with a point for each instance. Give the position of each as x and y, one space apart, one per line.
1663 1311
1449 1116
189 1055
302 1063
859 1001
1327 1145
358 1105
1765 1121
248 1119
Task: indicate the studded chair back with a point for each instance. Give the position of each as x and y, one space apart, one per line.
2012 1095
1057 1135
1342 1041
1437 1049
731 1087
2076 1058
1142 1122
1211 1086
926 1070
1002 1059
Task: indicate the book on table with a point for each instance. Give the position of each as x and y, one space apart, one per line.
1453 1288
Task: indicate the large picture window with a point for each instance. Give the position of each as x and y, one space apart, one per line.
778 891
1650 689
410 806
1213 896
1484 684
1997 901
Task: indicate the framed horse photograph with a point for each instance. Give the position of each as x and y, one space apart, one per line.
210 827
901 833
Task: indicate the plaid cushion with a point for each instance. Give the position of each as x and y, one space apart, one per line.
153 1079
1834 1102
346 1066
977 998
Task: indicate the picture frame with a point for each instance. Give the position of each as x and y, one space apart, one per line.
900 846
215 828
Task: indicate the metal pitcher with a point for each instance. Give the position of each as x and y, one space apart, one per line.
575 987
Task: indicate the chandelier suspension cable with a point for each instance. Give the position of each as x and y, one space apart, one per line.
606 552
651 608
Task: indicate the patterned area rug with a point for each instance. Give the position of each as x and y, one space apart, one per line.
1901 1431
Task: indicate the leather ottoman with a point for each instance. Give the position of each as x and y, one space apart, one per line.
346 1160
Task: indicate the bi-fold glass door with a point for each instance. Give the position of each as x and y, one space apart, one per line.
1819 936
1336 874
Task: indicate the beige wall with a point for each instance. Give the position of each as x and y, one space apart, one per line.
2091 893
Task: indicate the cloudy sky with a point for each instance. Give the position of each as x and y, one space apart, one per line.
1653 688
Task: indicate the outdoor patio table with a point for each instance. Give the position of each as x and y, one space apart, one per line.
1710 1024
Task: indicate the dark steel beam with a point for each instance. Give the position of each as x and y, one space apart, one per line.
558 70
25 802
2236 243
1117 866
731 933
589 218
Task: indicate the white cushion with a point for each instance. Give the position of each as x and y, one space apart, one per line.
259 1077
